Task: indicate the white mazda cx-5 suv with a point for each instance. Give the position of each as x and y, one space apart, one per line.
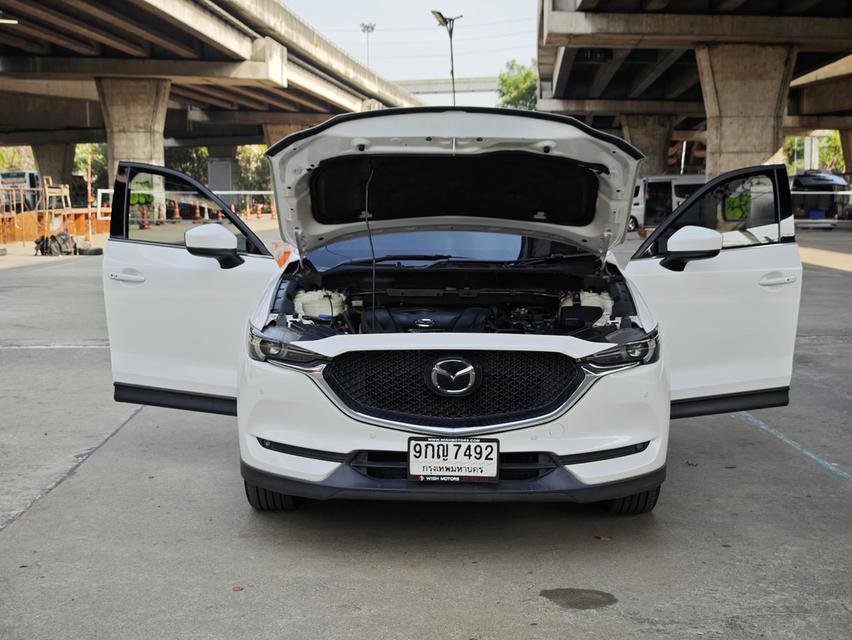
452 324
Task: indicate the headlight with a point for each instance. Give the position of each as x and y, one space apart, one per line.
642 351
266 347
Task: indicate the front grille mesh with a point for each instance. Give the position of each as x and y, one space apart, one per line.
392 385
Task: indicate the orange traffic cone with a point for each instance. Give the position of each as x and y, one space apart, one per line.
144 224
272 210
175 211
197 215
258 211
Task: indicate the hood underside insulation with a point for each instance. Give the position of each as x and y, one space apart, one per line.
502 185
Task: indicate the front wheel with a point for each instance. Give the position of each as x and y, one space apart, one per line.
642 502
633 224
262 499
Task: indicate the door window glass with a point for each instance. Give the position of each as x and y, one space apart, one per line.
161 209
743 210
658 202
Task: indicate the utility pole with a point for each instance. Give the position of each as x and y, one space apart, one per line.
367 28
449 23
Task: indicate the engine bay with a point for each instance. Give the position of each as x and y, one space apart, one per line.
589 303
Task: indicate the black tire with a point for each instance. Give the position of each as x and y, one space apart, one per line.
92 251
262 499
643 502
632 224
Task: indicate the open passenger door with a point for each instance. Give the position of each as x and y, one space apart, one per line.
723 277
181 274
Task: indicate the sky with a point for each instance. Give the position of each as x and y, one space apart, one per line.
408 44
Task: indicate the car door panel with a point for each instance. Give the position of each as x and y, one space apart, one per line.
169 330
177 322
704 333
727 323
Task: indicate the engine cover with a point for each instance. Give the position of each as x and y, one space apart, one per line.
408 320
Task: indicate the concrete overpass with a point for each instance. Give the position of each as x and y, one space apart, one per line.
479 84
824 96
192 72
654 67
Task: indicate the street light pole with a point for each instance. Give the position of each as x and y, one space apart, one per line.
449 23
367 28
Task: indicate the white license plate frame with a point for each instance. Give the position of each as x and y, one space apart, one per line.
458 456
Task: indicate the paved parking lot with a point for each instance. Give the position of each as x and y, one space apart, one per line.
121 522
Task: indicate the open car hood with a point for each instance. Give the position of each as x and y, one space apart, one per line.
454 168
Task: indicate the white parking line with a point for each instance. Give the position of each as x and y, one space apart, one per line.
825 464
54 346
824 258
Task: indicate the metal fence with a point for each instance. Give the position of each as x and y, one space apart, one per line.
244 202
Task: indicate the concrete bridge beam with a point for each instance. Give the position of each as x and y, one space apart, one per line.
135 114
652 135
745 95
272 133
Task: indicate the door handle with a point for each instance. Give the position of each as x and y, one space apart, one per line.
774 279
126 277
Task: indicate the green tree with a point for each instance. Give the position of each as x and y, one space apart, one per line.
831 153
254 168
16 158
794 153
100 165
517 85
189 160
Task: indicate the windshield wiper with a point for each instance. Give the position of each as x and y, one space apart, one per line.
553 257
403 256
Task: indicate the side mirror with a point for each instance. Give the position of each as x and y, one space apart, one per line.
691 243
214 241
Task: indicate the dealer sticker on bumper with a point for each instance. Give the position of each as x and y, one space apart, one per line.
453 459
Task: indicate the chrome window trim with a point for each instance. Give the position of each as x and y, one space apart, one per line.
590 377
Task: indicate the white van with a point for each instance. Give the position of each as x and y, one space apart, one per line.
655 197
19 179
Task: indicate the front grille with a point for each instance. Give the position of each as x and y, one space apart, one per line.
394 385
393 465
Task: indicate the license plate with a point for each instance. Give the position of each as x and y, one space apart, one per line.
453 459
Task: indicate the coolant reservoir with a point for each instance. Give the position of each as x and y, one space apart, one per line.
319 303
602 301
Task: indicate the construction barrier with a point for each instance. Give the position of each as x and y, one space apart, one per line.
27 226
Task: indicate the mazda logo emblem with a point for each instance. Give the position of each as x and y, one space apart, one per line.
452 376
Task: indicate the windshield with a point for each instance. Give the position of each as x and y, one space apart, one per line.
427 247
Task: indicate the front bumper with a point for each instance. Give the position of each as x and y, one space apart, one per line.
558 485
285 406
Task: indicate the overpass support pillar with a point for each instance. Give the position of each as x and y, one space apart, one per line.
652 135
55 160
222 167
135 115
846 146
745 95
